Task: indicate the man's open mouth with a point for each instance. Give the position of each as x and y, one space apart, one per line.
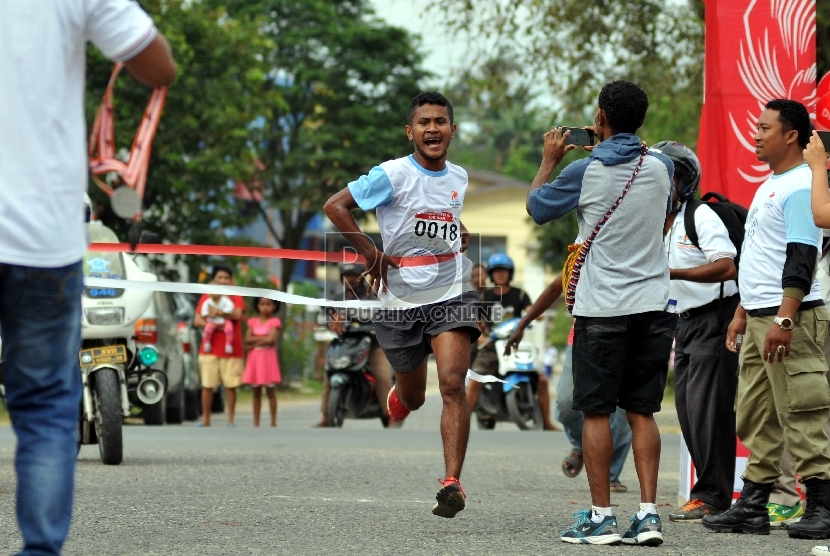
432 141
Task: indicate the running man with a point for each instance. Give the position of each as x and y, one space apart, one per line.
418 200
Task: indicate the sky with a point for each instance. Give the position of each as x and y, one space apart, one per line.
442 52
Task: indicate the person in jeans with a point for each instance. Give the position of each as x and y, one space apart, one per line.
622 335
705 373
783 394
43 179
570 418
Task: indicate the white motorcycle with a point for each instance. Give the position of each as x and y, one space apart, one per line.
515 400
117 370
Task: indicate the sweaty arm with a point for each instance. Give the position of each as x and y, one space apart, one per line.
339 210
154 66
546 299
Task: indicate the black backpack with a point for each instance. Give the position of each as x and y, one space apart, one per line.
731 214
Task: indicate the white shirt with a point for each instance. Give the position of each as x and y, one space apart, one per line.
715 244
780 213
418 213
225 305
43 159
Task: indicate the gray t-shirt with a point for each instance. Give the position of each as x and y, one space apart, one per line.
626 271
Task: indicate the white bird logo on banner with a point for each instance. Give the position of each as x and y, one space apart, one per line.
769 66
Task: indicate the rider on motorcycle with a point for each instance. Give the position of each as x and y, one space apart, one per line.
513 302
354 288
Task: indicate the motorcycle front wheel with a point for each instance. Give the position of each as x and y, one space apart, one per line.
108 420
523 407
336 409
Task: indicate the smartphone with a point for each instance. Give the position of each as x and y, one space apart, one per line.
825 138
579 136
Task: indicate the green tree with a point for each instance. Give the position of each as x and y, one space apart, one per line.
571 48
346 79
499 118
202 143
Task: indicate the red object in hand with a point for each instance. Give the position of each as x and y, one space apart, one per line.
823 109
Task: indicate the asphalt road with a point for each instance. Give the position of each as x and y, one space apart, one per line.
357 490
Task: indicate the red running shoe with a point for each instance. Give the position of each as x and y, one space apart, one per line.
451 498
397 411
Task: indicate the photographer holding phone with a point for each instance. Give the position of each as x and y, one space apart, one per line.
618 292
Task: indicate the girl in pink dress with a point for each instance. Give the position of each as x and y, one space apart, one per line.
262 367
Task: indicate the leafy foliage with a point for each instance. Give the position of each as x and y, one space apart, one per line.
202 141
346 79
561 52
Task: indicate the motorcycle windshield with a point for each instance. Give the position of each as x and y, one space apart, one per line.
103 265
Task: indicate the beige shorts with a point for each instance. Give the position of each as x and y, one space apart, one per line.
225 370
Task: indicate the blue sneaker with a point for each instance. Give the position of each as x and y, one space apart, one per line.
647 531
585 531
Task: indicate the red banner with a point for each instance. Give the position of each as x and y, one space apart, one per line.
756 50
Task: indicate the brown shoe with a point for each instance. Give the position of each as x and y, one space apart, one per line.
572 464
617 486
693 511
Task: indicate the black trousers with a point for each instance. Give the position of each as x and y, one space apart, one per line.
706 380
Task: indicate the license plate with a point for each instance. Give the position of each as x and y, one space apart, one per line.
108 355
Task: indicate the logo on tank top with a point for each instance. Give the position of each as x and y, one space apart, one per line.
454 201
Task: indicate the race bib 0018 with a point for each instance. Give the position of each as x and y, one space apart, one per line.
438 232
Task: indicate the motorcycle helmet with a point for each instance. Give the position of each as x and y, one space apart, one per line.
351 268
500 260
686 167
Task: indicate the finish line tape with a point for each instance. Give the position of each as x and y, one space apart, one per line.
260 252
176 287
472 375
426 297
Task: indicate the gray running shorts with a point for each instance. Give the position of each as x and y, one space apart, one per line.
405 335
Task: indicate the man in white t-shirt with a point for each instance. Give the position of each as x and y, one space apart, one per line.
702 271
783 394
43 179
431 307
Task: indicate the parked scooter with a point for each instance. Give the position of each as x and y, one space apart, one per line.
352 386
515 401
117 372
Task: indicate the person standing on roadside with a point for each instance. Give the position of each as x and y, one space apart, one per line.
618 290
478 279
262 368
705 373
43 179
783 394
418 201
221 366
570 418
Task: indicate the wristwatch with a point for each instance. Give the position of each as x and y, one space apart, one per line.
786 323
